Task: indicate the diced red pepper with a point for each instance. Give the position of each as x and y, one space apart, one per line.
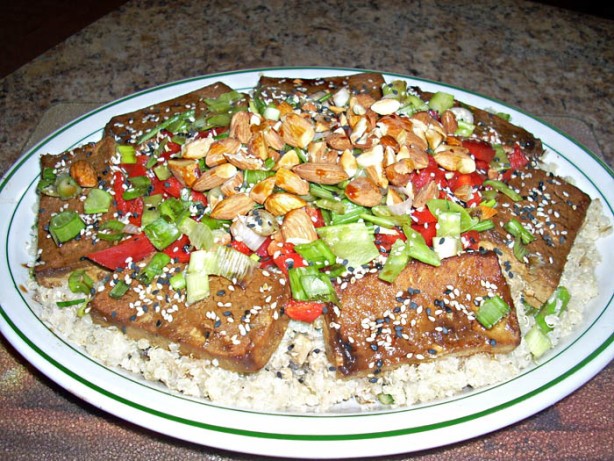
172 148
241 246
431 173
471 179
132 208
172 187
384 241
470 240
316 216
286 258
199 197
422 215
304 311
137 248
179 249
138 168
481 150
427 230
518 160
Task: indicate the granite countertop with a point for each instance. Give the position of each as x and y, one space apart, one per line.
549 62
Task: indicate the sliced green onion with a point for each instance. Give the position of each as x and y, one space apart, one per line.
514 227
316 253
537 341
174 209
161 233
200 234
418 249
172 120
331 205
127 154
271 113
224 102
97 201
353 242
441 101
72 302
504 189
491 311
67 187
438 206
65 226
252 177
119 290
154 268
554 306
464 129
80 282
178 281
48 174
162 172
140 187
309 284
396 262
385 399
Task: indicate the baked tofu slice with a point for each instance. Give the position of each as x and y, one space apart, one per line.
278 89
55 262
427 313
238 328
126 128
553 211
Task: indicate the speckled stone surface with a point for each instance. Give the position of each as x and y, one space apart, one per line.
547 61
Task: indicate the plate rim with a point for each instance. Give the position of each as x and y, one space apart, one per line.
599 352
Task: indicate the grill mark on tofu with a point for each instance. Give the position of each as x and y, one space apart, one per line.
553 211
237 328
427 313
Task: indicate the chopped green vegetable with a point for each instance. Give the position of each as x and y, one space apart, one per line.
438 206
177 281
554 306
537 341
127 154
72 302
309 284
119 290
161 233
418 249
491 311
464 129
385 399
181 118
66 187
316 253
200 234
140 186
504 189
352 242
514 227
162 172
97 201
65 226
154 268
441 101
396 261
80 282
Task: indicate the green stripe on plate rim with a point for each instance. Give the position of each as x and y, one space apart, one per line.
322 437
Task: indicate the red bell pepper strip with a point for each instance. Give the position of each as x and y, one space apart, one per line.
304 311
179 249
131 208
384 241
481 150
316 216
518 160
286 258
138 168
137 248
427 230
241 247
470 240
460 179
422 215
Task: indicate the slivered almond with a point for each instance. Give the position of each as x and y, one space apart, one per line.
281 203
348 162
363 192
297 227
321 173
219 149
386 106
273 139
399 173
257 146
389 141
454 158
215 177
244 161
233 206
185 170
261 191
197 149
291 182
297 131
429 191
233 185
83 173
288 160
448 120
338 141
239 127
